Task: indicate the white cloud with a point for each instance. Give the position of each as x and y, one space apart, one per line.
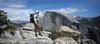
13 3
68 10
72 10
84 10
16 5
18 14
62 10
75 10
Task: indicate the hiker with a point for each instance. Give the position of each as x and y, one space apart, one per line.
34 19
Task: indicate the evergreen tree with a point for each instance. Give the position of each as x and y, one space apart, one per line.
4 21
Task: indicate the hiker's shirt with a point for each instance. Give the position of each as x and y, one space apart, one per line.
36 18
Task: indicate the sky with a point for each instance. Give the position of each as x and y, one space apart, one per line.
20 9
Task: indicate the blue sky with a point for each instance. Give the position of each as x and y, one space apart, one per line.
17 8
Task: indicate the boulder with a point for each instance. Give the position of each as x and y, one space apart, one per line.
8 38
24 41
27 31
8 35
28 26
7 41
27 34
65 40
3 26
26 37
37 40
43 40
45 33
31 34
66 31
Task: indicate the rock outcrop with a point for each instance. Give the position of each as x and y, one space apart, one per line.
24 35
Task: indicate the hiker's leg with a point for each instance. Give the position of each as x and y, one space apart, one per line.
36 31
40 33
40 30
36 34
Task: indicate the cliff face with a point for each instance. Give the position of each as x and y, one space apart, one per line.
53 20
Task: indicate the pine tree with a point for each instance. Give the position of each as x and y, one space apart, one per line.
5 21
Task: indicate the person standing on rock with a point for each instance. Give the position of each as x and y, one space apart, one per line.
34 19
